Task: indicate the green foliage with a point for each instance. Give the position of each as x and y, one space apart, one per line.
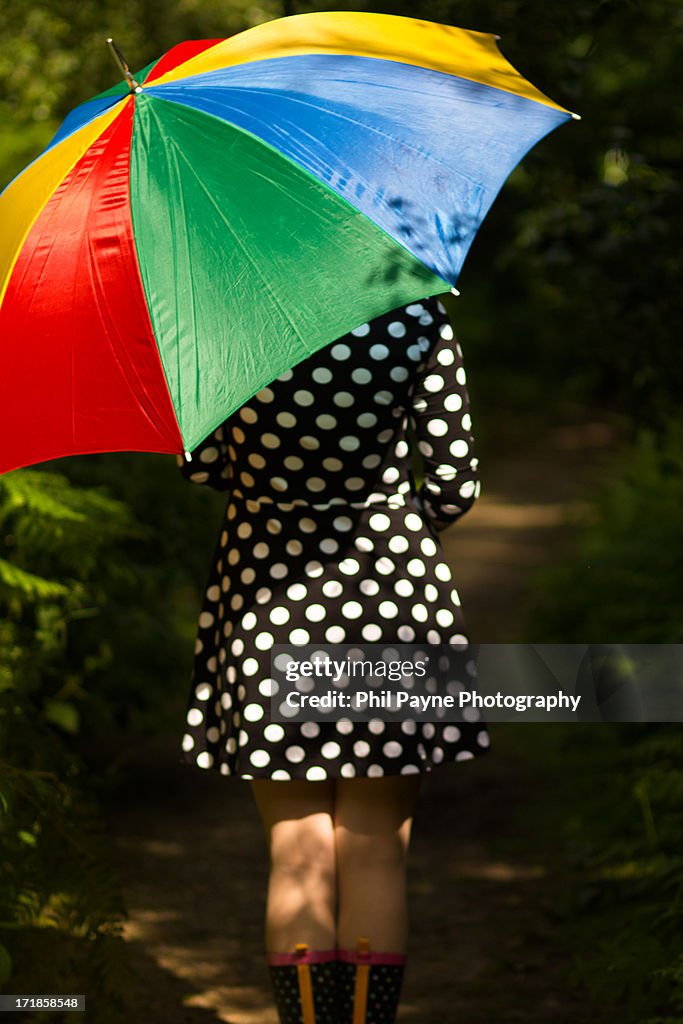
60 904
623 579
630 857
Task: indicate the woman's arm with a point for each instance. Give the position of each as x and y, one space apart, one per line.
210 463
440 417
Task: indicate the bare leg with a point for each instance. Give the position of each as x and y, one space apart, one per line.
298 820
372 824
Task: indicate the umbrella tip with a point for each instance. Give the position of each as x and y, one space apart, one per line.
577 117
123 66
454 291
188 456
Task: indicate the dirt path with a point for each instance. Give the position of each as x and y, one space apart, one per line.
482 949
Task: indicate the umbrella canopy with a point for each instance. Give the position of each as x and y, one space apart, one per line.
195 231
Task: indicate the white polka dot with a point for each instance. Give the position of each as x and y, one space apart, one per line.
316 774
434 382
303 397
437 427
270 440
444 617
385 565
413 521
299 636
354 483
330 749
369 587
344 399
321 375
404 588
416 567
205 759
194 717
342 523
371 632
264 395
361 375
332 588
253 712
286 419
458 449
335 634
340 352
380 522
278 570
325 422
361 748
379 351
364 544
315 613
309 442
279 616
259 758
349 443
349 566
360 332
316 483
366 419
352 609
396 329
452 403
392 749
388 610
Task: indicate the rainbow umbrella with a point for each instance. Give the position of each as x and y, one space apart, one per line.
193 232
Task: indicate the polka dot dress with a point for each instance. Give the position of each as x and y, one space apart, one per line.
326 539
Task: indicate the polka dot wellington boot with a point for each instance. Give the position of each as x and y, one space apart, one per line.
369 985
304 984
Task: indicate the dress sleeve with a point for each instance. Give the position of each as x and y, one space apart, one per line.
210 463
440 418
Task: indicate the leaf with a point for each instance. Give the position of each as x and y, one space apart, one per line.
28 584
62 714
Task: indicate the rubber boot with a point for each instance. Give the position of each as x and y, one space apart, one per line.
304 985
369 985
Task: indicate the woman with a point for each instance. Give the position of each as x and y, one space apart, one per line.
327 540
